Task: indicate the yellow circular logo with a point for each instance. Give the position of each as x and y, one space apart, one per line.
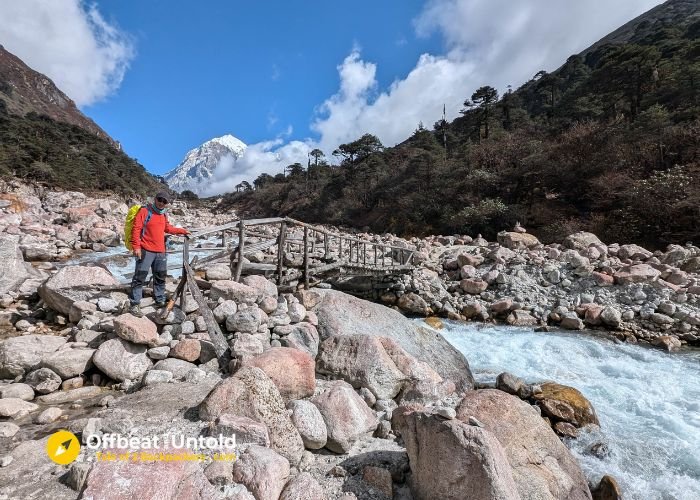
63 447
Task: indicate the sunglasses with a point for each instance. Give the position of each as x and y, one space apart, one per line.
162 200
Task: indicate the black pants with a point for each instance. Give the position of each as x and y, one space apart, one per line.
158 263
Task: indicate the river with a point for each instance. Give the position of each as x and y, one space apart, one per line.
647 401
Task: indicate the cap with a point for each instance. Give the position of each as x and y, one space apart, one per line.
164 195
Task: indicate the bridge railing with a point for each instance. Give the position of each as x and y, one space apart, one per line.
334 250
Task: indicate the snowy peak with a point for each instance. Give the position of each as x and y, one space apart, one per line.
195 172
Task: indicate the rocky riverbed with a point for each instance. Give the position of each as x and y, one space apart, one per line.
329 395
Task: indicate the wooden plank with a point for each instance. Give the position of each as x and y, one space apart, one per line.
217 338
185 261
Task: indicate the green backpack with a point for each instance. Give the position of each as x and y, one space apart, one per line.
129 224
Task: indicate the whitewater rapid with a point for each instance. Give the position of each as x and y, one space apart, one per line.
647 401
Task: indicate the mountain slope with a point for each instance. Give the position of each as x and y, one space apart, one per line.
197 168
25 90
44 138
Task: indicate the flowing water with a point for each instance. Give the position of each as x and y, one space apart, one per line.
647 401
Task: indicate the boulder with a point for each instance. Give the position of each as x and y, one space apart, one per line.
413 303
247 345
342 314
136 330
165 480
69 363
453 460
224 310
515 240
633 252
303 486
217 272
13 269
262 471
178 367
667 342
187 349
61 290
637 273
250 393
302 336
473 286
43 380
16 408
611 317
607 489
362 361
346 415
246 320
581 240
121 360
542 465
19 391
231 290
561 402
521 318
22 354
310 424
292 371
264 286
246 430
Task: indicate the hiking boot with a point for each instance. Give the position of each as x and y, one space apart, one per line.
135 310
160 304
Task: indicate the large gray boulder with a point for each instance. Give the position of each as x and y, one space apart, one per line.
70 285
13 269
251 393
543 467
342 314
69 363
121 360
21 354
453 460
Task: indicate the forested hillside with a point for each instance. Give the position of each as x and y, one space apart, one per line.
607 143
44 138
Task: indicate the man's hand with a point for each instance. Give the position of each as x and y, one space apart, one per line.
188 233
137 253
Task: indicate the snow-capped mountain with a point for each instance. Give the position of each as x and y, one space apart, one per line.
196 170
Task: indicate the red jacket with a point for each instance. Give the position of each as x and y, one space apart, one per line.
154 235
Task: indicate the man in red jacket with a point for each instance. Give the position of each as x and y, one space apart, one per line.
148 243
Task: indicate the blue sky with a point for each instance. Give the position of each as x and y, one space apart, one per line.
252 69
164 76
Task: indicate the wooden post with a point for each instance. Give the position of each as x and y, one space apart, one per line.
325 246
280 252
185 260
364 254
340 248
241 239
375 254
306 258
223 238
383 254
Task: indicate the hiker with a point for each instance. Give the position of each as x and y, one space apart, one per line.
148 246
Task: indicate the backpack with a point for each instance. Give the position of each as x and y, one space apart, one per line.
129 224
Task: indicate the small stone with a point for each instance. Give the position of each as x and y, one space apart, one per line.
8 429
49 415
337 471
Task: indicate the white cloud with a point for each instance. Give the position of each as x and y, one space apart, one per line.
495 42
270 157
70 42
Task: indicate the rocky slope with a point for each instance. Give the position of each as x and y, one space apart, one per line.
328 395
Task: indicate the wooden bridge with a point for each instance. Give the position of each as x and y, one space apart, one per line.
287 251
296 253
